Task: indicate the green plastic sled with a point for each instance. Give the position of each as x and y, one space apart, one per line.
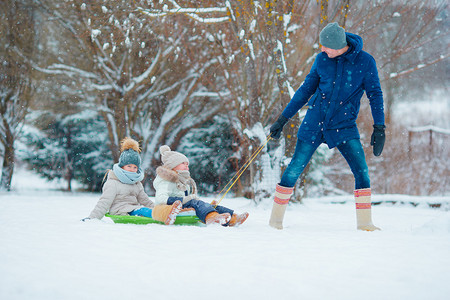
180 220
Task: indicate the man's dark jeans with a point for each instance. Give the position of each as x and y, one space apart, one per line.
352 151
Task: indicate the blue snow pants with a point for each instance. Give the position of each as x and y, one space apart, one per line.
143 212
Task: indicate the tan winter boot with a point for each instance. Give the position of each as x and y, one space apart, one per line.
237 220
363 210
215 217
167 213
280 202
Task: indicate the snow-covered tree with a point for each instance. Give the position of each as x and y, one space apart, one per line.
70 147
16 41
252 41
147 75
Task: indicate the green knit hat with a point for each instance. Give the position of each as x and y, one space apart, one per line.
130 153
333 36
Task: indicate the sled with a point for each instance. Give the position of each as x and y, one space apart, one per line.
181 219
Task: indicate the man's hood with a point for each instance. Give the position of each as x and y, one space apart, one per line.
356 44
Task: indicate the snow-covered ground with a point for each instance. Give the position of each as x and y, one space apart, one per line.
46 252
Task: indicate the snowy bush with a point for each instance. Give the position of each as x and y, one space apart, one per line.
70 148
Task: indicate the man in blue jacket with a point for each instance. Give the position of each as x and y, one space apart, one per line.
336 82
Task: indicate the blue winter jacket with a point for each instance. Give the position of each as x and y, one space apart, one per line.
337 85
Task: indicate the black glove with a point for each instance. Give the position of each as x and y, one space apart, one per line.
377 139
277 127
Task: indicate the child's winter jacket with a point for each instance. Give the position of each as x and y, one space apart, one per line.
169 188
165 185
119 198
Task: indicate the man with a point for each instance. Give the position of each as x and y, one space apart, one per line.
337 81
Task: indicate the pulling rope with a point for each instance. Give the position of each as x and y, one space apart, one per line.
239 173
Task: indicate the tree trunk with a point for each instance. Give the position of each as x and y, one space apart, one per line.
8 164
69 158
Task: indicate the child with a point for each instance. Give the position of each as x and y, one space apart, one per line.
173 183
124 194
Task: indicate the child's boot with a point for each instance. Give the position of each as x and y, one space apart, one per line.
215 217
167 213
237 220
280 202
174 211
363 210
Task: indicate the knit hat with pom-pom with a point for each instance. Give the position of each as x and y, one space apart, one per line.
130 150
171 159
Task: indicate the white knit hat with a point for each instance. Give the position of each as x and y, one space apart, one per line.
171 159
